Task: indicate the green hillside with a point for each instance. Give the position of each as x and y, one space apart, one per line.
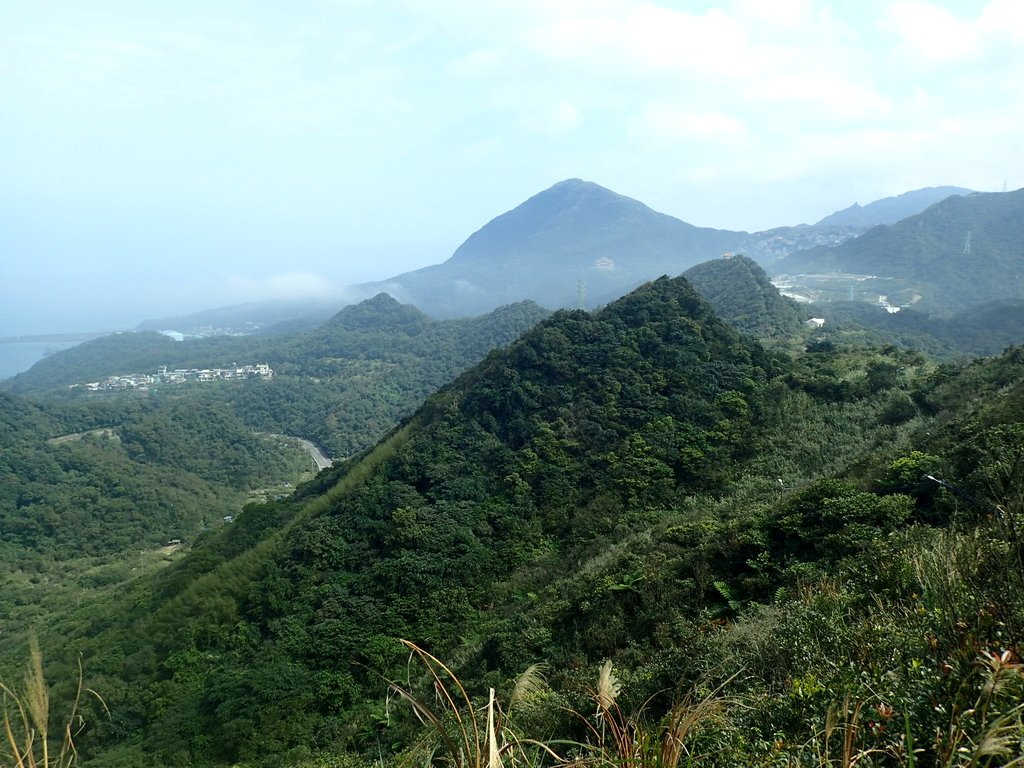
93 479
95 495
741 294
342 385
985 329
958 253
640 485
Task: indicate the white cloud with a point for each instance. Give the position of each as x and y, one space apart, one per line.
783 14
287 285
938 35
644 37
931 31
668 123
482 62
821 91
1003 18
552 120
666 39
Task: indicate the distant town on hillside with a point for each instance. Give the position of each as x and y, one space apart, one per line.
143 381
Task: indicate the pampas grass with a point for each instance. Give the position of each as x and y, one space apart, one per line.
27 734
454 720
634 741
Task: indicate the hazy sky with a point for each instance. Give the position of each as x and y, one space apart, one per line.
163 157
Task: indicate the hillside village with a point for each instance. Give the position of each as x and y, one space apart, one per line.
143 381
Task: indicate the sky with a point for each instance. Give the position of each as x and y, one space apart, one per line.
158 158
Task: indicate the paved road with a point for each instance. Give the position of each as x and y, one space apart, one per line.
322 462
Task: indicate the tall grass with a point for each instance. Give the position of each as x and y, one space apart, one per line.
635 741
29 740
482 736
465 741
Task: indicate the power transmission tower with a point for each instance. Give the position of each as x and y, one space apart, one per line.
581 291
967 242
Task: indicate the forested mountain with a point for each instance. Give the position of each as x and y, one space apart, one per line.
889 210
640 485
493 474
819 552
574 232
342 385
79 480
985 329
958 253
381 314
741 294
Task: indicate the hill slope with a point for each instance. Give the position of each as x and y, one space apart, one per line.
342 385
542 249
640 484
741 293
496 472
960 252
984 329
889 210
92 479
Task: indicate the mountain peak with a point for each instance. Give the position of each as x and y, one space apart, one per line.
380 311
577 186
572 193
574 239
573 184
742 294
573 216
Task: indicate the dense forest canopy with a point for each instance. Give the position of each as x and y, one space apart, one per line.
100 478
342 385
741 293
817 533
794 536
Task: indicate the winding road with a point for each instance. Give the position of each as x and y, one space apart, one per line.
321 461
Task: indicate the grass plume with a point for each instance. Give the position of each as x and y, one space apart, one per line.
26 719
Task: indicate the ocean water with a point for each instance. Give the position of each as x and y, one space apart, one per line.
19 356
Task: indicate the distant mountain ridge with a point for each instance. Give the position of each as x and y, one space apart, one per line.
340 385
248 318
574 232
575 243
889 210
957 253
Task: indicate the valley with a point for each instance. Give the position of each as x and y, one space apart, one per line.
682 503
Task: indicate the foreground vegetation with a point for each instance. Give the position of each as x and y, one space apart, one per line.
717 555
